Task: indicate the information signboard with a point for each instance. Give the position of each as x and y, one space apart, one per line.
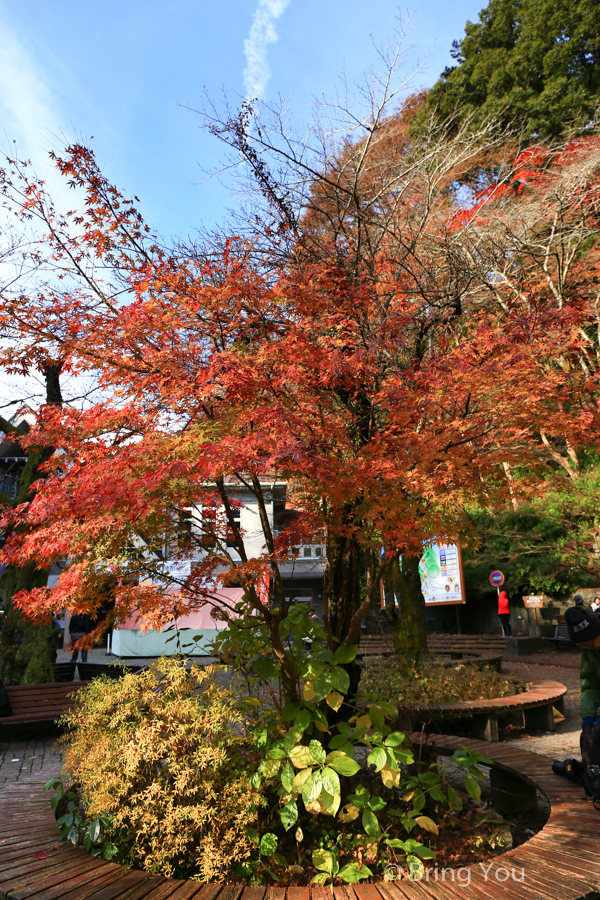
534 601
442 580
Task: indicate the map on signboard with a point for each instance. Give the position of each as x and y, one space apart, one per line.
440 572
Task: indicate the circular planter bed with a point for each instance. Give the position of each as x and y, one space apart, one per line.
537 704
560 862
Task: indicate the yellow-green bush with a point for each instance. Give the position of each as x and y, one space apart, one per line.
164 755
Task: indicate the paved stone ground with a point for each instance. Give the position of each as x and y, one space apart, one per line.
564 741
21 758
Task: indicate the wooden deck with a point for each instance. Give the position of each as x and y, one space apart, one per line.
561 862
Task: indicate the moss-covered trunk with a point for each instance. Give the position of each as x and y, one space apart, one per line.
405 610
25 647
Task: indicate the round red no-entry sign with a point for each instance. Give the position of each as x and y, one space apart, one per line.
497 578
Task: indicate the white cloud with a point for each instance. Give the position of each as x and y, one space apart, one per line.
29 112
262 33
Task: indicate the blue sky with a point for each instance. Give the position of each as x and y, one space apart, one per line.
124 71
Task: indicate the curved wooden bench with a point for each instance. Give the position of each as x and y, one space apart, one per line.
39 702
561 862
537 704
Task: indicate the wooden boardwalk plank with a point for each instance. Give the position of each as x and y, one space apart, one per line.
77 887
43 885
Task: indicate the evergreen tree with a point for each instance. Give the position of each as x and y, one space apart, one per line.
534 63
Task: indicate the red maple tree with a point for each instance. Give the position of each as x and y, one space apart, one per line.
386 396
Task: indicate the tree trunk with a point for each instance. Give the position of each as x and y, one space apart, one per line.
25 647
343 587
402 585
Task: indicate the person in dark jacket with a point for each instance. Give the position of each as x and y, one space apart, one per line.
55 637
504 613
79 626
584 630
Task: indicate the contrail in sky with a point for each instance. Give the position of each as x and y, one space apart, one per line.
262 33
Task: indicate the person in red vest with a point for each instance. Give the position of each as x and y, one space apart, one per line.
504 613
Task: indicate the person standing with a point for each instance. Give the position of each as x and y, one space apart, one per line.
504 613
584 631
595 605
79 626
310 635
55 637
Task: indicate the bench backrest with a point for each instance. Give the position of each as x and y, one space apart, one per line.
37 697
562 632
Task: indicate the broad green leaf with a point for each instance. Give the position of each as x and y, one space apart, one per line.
370 823
263 740
391 758
351 873
344 765
303 720
331 781
394 739
287 778
454 799
377 758
276 753
265 667
271 768
417 869
376 717
424 852
376 803
340 680
314 667
323 685
290 711
345 654
472 786
317 752
404 756
361 797
418 800
312 787
94 830
289 814
325 656
268 844
323 860
299 780
330 802
321 878
301 756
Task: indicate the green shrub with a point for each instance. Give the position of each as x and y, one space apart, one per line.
163 758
